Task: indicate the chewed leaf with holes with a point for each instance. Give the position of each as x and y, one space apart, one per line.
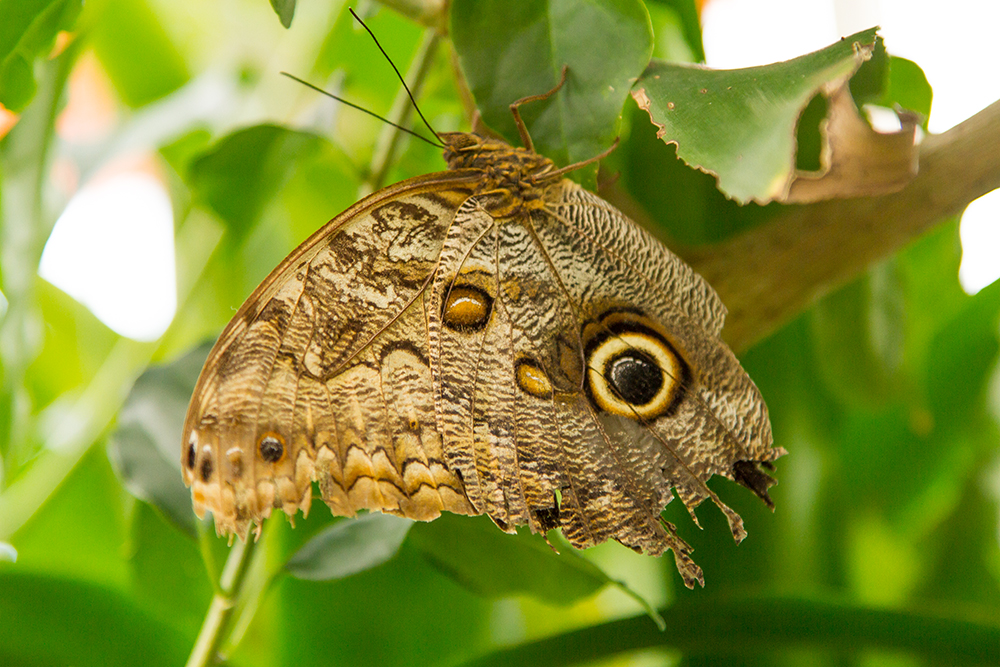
492 339
740 125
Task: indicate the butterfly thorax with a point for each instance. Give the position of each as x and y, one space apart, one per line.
516 176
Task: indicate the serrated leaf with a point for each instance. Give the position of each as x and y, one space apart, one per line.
145 447
740 125
509 51
477 555
348 547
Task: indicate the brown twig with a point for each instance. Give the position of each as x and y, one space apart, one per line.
770 273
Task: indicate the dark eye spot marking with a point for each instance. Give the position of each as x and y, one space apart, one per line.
466 308
632 371
271 447
206 468
192 455
634 376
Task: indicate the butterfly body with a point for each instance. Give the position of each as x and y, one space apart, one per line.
489 339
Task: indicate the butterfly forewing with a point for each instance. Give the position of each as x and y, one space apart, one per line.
295 388
483 340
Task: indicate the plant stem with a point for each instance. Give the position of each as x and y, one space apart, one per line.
220 611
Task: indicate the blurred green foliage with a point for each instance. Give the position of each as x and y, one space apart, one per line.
884 546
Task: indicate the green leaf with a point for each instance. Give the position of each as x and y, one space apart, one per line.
509 51
17 82
869 82
858 338
167 572
285 9
79 531
401 613
479 556
146 446
28 29
55 621
733 630
740 124
8 553
683 202
140 57
687 15
243 171
961 359
908 88
348 547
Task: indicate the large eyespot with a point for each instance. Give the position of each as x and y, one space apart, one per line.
271 447
635 373
466 308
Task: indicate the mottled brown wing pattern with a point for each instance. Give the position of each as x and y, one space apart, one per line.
323 375
493 339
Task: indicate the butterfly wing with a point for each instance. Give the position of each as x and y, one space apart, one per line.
323 373
593 382
476 342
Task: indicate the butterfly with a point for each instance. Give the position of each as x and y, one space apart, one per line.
488 339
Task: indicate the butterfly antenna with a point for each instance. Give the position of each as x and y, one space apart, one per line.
367 111
398 75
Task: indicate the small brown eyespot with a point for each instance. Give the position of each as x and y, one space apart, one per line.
466 308
532 378
271 447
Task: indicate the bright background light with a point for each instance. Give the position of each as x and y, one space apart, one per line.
112 250
954 43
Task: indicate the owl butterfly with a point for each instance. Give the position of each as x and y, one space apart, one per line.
488 339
